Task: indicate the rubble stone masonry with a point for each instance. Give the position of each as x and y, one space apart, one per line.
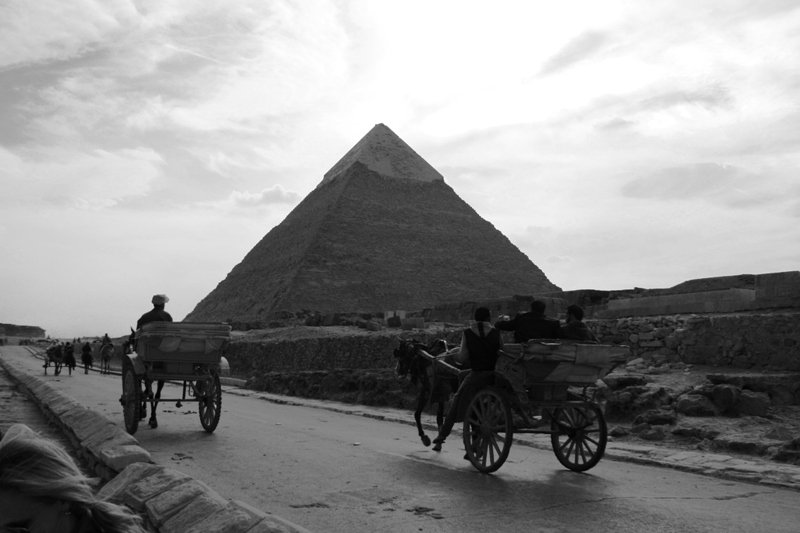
769 341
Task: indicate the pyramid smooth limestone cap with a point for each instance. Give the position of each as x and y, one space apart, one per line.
382 151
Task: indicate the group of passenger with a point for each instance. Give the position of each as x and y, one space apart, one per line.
536 325
481 344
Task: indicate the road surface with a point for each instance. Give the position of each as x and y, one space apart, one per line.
332 472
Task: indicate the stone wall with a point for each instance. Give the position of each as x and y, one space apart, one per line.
730 294
250 359
749 341
13 330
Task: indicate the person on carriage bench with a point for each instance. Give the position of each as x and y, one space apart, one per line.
480 345
157 314
531 325
575 329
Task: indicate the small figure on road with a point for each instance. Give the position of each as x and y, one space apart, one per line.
575 329
69 357
480 344
43 489
86 356
531 325
157 314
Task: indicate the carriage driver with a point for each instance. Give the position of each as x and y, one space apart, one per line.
157 314
480 345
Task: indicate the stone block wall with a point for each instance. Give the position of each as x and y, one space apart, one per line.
721 301
249 359
781 289
748 341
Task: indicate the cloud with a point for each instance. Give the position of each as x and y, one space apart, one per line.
51 30
246 201
274 195
685 182
89 180
725 185
581 47
709 97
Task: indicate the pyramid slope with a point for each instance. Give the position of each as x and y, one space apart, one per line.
365 242
382 151
253 289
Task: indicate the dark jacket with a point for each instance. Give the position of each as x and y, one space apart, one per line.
530 325
482 346
156 315
576 330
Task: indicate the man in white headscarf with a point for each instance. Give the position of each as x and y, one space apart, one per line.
157 314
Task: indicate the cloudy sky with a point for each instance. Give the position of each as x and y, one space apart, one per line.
147 146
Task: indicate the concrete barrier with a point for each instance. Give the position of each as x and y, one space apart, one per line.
171 501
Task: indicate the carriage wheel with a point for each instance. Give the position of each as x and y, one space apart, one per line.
579 436
210 402
487 430
131 403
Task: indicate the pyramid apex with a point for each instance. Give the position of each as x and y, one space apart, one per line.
382 151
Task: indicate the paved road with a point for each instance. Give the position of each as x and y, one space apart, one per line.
334 472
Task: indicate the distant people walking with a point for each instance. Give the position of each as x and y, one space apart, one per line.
157 314
86 356
69 357
531 325
42 489
574 328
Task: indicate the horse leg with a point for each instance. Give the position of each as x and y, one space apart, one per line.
440 415
154 405
422 400
147 393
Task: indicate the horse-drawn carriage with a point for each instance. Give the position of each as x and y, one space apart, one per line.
541 387
191 353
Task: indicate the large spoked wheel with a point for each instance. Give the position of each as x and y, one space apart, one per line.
131 401
210 402
579 436
487 430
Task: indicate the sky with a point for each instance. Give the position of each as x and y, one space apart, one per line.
147 146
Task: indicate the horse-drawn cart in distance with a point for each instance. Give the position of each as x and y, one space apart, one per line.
175 351
550 377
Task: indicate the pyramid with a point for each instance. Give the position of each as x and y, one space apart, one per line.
381 231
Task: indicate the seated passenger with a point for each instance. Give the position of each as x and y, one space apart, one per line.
531 325
575 329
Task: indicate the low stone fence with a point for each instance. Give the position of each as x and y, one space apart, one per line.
372 351
750 341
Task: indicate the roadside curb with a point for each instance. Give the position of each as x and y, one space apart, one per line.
762 472
171 501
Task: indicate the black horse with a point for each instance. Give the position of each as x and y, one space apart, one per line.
435 386
147 394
